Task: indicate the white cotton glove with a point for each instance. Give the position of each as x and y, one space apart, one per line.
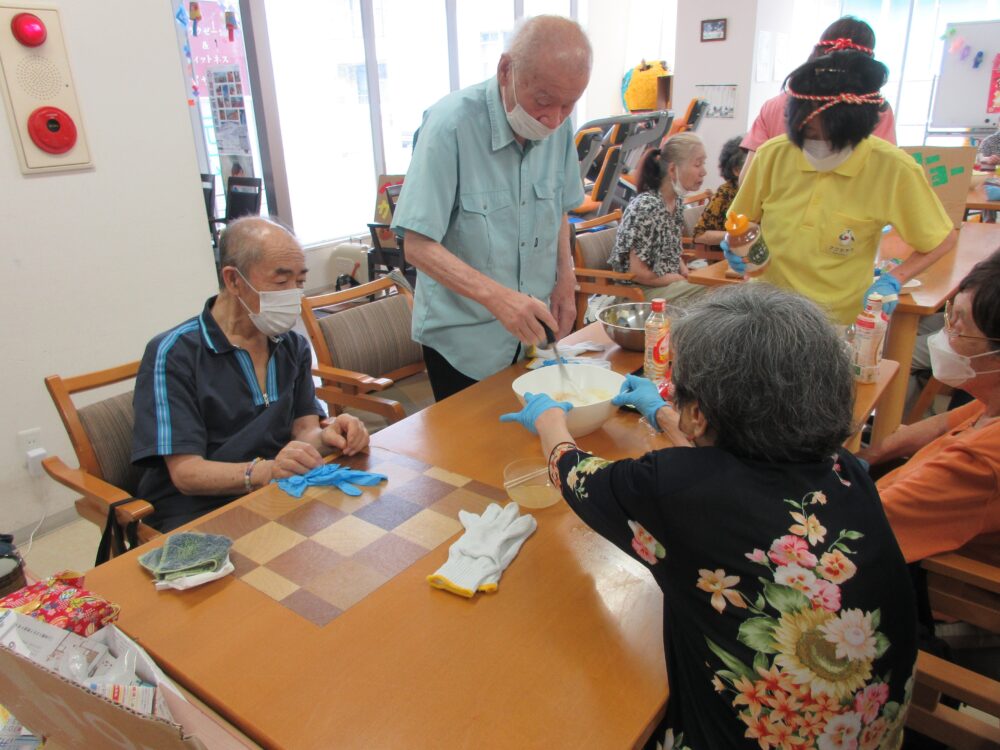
490 542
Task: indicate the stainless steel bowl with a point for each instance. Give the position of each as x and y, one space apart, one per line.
625 324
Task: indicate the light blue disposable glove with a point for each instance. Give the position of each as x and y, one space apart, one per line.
735 262
885 284
534 405
330 475
643 395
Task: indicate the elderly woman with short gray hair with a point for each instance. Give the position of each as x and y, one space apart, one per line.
788 612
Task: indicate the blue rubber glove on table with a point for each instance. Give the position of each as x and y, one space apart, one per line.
330 475
642 394
534 405
886 284
735 262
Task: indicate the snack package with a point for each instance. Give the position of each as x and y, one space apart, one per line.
62 601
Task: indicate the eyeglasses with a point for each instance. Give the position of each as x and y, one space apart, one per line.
951 331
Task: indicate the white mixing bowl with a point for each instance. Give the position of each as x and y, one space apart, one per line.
597 386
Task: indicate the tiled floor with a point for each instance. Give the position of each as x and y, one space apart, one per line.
71 547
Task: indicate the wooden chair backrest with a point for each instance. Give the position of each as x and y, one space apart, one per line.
62 389
403 355
592 240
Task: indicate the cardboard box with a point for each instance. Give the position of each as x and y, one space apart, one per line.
949 171
71 716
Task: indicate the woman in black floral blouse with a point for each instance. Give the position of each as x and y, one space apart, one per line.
648 243
788 617
711 227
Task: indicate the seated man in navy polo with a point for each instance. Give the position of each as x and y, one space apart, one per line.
225 402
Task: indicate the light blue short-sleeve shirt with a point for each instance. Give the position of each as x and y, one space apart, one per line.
493 204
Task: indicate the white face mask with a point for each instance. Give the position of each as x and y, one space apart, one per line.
821 155
950 367
521 122
278 310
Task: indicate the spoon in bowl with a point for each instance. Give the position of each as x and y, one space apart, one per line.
550 340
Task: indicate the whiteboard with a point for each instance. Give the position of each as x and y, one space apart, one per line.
962 92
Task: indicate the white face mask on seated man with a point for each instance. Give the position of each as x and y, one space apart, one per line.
278 310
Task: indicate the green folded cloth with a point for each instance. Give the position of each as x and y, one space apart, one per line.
187 554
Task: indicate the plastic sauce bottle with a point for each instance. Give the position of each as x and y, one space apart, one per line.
657 342
864 349
874 307
745 240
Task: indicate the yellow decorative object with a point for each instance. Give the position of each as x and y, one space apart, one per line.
639 86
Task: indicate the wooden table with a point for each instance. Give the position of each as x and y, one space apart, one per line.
938 284
569 652
977 200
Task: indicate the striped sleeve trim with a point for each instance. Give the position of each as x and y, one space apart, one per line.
164 436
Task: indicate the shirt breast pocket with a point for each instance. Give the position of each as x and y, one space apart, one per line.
846 236
484 226
547 215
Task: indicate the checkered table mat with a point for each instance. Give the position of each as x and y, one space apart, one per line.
320 554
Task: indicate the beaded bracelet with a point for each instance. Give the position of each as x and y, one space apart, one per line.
557 452
248 473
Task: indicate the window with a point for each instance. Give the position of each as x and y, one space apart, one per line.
339 128
322 95
911 84
546 8
483 29
413 71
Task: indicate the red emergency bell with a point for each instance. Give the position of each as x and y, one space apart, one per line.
52 130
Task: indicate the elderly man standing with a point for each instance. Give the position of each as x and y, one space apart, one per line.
225 402
484 208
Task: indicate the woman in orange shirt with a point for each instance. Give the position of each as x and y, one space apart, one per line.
949 491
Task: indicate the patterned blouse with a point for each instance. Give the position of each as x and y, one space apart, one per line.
653 232
713 218
788 615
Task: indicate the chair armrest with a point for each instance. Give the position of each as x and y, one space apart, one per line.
348 377
969 687
97 489
598 273
966 569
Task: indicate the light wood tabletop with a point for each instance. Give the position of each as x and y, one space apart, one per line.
568 653
937 284
977 200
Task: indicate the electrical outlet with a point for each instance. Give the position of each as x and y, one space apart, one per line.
29 440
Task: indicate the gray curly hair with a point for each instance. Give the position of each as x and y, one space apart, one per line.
769 372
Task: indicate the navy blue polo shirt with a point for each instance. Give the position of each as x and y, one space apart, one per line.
197 394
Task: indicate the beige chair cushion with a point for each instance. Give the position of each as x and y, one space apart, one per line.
691 216
108 424
595 247
373 338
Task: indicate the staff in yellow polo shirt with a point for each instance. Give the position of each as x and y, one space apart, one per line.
823 192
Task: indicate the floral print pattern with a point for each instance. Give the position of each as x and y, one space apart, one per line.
645 545
812 682
653 232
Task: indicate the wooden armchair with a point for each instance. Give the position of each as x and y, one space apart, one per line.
694 206
592 242
101 434
363 348
963 584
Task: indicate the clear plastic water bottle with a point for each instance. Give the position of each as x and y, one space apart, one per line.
657 342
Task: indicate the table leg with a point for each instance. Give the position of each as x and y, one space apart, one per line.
902 337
